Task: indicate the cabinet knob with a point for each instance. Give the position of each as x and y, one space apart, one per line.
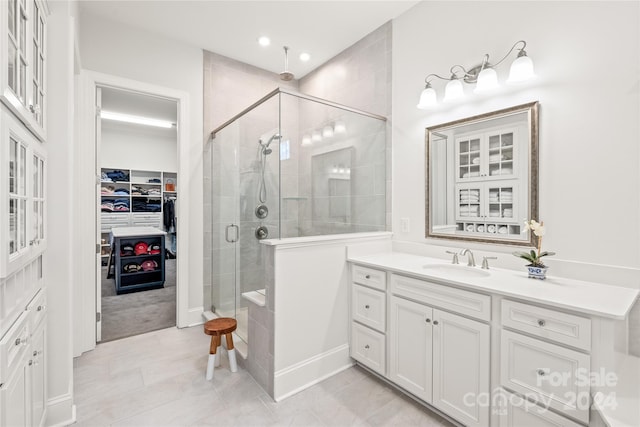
435 322
39 308
368 276
18 341
30 362
541 372
367 306
541 322
366 347
35 353
427 320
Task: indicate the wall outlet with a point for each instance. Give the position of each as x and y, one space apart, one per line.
404 225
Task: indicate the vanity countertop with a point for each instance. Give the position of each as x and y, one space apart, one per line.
596 299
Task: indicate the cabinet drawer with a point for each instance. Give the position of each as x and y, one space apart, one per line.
368 347
13 345
546 373
460 301
550 324
368 306
519 412
369 277
36 309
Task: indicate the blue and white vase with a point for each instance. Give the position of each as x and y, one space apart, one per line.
537 272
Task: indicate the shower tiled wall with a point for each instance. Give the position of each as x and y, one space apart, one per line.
360 77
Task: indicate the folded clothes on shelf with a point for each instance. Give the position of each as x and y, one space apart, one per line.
503 230
118 175
470 174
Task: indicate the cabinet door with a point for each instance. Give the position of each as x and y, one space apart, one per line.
501 202
410 346
37 232
14 402
469 201
500 153
38 376
519 412
469 158
461 368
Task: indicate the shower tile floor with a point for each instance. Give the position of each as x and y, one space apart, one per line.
157 379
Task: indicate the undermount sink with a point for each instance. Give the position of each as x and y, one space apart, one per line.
456 270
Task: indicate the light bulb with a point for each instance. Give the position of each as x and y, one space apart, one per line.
304 57
327 132
306 140
487 81
521 69
264 41
453 91
316 137
339 127
427 98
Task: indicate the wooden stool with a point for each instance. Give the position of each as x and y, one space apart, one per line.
216 328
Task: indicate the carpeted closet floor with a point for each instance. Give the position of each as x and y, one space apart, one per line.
138 312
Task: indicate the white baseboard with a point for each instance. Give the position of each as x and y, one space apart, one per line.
302 375
61 411
193 317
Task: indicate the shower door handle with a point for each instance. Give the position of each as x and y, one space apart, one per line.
235 235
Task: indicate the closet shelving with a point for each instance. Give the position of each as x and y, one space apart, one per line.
133 198
141 278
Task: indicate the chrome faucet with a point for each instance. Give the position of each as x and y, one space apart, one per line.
471 261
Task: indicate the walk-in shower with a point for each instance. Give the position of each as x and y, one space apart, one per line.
290 165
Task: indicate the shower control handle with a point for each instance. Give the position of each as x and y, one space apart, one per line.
262 232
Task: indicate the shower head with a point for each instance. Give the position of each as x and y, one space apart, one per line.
286 75
268 143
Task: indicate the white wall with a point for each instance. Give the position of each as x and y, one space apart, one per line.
586 56
148 150
127 52
58 263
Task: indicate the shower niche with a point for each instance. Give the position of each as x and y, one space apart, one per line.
291 165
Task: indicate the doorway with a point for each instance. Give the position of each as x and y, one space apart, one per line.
136 160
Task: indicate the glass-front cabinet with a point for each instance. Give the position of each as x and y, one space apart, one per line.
23 198
23 57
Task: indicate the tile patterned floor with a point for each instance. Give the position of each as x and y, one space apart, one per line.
157 379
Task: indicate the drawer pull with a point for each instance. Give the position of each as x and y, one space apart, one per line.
541 322
39 308
367 306
366 347
35 353
541 372
435 322
427 320
30 362
368 276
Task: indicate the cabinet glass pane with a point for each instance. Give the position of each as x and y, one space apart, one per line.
36 216
41 221
23 224
12 17
13 225
22 173
36 179
12 75
22 84
41 172
13 162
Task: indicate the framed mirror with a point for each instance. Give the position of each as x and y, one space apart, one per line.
482 177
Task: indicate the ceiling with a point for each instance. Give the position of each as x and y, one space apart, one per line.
231 28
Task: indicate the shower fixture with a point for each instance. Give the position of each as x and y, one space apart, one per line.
286 75
264 151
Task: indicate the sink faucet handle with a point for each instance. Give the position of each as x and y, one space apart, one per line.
455 257
485 261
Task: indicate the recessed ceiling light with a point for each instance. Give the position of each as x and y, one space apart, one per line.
304 56
264 41
127 118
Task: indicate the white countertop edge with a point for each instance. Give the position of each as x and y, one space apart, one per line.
325 238
136 231
256 298
518 286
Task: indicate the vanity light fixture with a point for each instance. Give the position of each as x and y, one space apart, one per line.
127 118
316 137
483 75
306 140
339 127
327 132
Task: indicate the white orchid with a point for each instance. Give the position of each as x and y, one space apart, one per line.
538 230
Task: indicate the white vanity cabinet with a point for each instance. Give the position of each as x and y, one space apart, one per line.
544 368
23 61
441 356
368 313
22 201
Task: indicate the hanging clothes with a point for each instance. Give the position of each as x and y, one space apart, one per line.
169 217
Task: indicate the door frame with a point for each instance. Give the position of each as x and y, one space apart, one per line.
86 159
